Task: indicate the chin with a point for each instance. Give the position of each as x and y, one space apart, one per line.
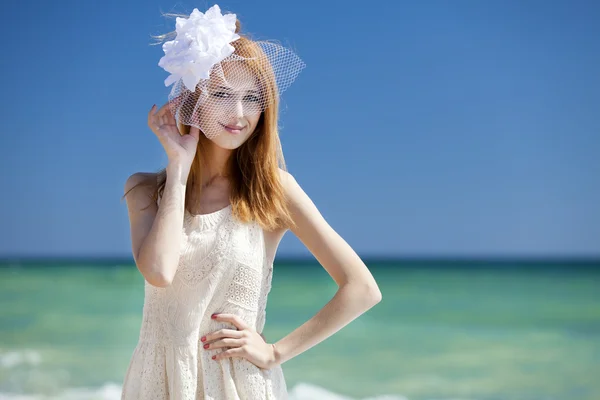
226 141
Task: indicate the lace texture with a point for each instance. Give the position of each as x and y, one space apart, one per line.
223 268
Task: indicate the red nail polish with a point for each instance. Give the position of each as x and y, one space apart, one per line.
214 316
213 357
203 339
206 346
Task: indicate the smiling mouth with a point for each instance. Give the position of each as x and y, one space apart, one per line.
233 128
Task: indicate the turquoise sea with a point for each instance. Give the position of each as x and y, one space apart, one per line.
481 330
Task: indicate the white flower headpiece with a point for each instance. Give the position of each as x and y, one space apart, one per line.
202 41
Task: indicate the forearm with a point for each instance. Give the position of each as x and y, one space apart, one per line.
158 256
349 302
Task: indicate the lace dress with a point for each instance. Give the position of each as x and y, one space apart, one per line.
223 268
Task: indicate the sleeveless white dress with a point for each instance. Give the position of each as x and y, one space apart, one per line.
223 268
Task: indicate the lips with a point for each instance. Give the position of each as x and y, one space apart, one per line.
233 128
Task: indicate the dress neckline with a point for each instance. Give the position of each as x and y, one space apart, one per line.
209 220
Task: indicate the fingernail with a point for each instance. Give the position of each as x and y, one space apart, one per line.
214 357
203 339
206 346
214 316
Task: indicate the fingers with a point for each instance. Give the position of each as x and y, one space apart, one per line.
161 122
151 113
232 319
164 110
153 121
159 119
227 342
223 333
235 352
195 132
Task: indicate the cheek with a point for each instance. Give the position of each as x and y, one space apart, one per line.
212 113
253 119
220 114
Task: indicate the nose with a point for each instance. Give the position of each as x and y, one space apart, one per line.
239 109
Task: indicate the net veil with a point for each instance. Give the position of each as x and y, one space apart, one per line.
220 78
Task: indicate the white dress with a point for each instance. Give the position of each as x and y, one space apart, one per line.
223 268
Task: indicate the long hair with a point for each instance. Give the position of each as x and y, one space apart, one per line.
256 191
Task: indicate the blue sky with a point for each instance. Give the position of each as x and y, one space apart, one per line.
429 128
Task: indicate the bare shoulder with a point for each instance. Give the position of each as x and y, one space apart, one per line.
284 175
273 238
139 188
140 180
141 207
306 216
298 200
294 194
288 182
285 178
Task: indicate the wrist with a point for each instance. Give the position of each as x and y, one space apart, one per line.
277 357
176 172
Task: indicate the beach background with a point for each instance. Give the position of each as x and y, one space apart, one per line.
462 329
453 144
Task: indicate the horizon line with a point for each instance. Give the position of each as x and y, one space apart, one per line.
295 258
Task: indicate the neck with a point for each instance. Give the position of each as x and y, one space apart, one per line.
216 164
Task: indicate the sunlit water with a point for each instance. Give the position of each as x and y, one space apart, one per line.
443 331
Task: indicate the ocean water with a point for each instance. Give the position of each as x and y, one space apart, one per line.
444 330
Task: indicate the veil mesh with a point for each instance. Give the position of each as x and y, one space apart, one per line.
247 82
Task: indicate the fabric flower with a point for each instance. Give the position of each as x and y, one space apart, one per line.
202 41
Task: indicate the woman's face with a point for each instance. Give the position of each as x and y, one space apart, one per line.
232 108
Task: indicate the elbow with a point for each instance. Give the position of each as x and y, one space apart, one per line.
159 280
367 294
155 275
373 295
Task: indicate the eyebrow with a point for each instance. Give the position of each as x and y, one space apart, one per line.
230 90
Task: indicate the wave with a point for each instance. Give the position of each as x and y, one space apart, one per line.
13 359
111 391
306 391
108 391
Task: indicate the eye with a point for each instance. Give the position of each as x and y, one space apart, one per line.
252 98
222 95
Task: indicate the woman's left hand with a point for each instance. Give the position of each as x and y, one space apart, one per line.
244 342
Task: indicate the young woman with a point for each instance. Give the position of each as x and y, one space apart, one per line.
205 230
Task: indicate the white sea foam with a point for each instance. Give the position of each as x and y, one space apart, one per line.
111 391
305 391
29 359
13 359
108 391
